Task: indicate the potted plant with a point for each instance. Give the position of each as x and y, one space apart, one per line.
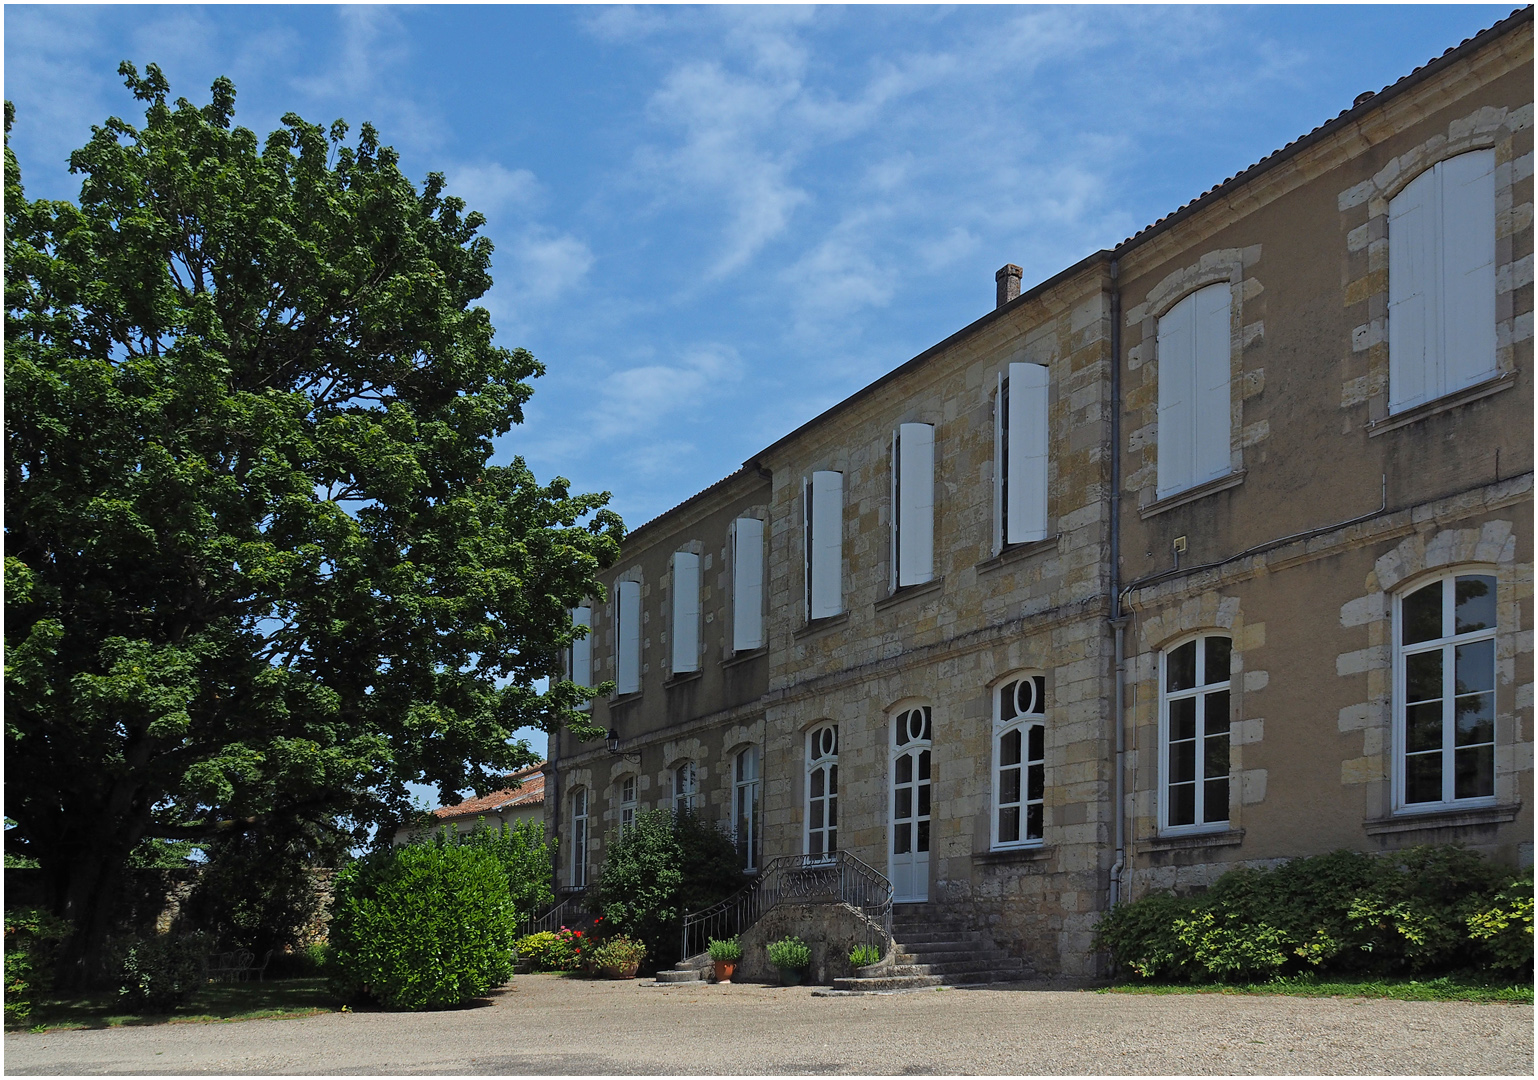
792 957
619 957
725 954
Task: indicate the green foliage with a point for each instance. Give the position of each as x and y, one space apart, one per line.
258 562
663 867
157 853
521 850
551 950
729 950
790 953
864 955
1424 910
32 940
163 972
618 952
422 926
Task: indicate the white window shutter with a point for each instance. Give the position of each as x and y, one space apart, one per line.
1213 412
1177 371
1468 269
894 575
827 545
686 611
916 503
1028 392
1412 316
582 650
999 465
627 660
748 585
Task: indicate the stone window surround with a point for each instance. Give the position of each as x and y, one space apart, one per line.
1486 128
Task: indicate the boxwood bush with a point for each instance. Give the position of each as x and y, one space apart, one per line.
422 926
1425 910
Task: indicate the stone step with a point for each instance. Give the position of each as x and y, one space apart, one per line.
1003 965
674 975
945 956
890 982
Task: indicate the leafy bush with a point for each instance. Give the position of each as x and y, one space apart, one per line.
1423 910
164 971
864 955
552 950
520 850
422 926
729 950
790 954
667 864
618 952
32 940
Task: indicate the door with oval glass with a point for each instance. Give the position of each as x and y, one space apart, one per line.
911 740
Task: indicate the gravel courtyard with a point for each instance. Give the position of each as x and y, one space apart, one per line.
550 1025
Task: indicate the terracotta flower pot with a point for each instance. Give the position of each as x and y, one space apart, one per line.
622 971
724 969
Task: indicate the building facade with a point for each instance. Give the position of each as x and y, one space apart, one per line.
1213 549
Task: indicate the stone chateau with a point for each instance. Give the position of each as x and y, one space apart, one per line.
1213 549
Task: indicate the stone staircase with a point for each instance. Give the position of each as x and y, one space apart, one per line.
693 970
935 947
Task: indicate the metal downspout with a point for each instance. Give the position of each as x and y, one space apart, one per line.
1117 620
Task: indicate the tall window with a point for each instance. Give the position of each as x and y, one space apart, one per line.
747 584
579 836
1020 455
1195 415
686 787
1193 733
686 612
627 804
745 808
1019 757
822 791
823 503
1441 280
627 637
579 658
913 505
1444 714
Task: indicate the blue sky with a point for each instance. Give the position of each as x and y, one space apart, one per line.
713 223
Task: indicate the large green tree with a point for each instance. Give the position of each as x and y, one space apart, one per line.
258 564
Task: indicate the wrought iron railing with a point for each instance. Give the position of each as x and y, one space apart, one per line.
570 904
835 878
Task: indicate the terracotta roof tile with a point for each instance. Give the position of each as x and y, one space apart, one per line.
530 792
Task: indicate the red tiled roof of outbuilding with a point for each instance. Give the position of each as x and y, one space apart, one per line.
529 792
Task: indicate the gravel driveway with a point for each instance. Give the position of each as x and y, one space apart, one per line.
551 1025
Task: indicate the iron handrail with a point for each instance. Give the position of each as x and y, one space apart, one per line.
572 901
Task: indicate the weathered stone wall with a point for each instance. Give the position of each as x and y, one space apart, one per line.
830 931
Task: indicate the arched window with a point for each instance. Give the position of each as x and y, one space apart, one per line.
686 787
579 836
822 790
1444 700
745 807
908 860
1019 761
1193 734
627 804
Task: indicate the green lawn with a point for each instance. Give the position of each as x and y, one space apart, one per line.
1445 988
216 1002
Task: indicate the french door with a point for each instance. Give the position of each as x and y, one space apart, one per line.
911 804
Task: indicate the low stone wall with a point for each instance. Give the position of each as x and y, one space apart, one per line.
830 930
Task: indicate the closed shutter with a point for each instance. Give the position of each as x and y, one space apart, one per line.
1000 463
1027 441
686 611
1177 376
826 535
1213 412
1468 269
627 660
748 585
915 503
582 650
1413 216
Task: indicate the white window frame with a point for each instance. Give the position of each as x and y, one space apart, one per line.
686 786
747 584
579 836
627 802
822 502
1200 692
1021 418
1033 685
685 578
1447 644
1195 349
819 759
747 773
913 505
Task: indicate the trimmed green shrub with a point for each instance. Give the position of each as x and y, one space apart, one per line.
729 950
522 852
163 972
549 950
790 954
422 926
32 940
1421 911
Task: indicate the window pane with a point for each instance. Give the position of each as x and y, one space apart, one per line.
923 800
1007 701
1420 616
1215 757
1217 659
1035 736
1215 801
1475 596
902 803
1183 761
1215 715
1181 667
1009 785
923 842
1182 719
1009 748
1474 667
1009 824
815 814
832 839
1474 719
818 782
816 843
1182 804
1423 676
1474 772
832 779
1423 778
905 769
832 812
1423 726
924 765
902 838
1035 781
1033 822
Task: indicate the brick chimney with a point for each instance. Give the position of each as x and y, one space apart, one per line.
1008 279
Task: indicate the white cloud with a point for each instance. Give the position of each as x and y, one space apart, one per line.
547 264
493 188
644 398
